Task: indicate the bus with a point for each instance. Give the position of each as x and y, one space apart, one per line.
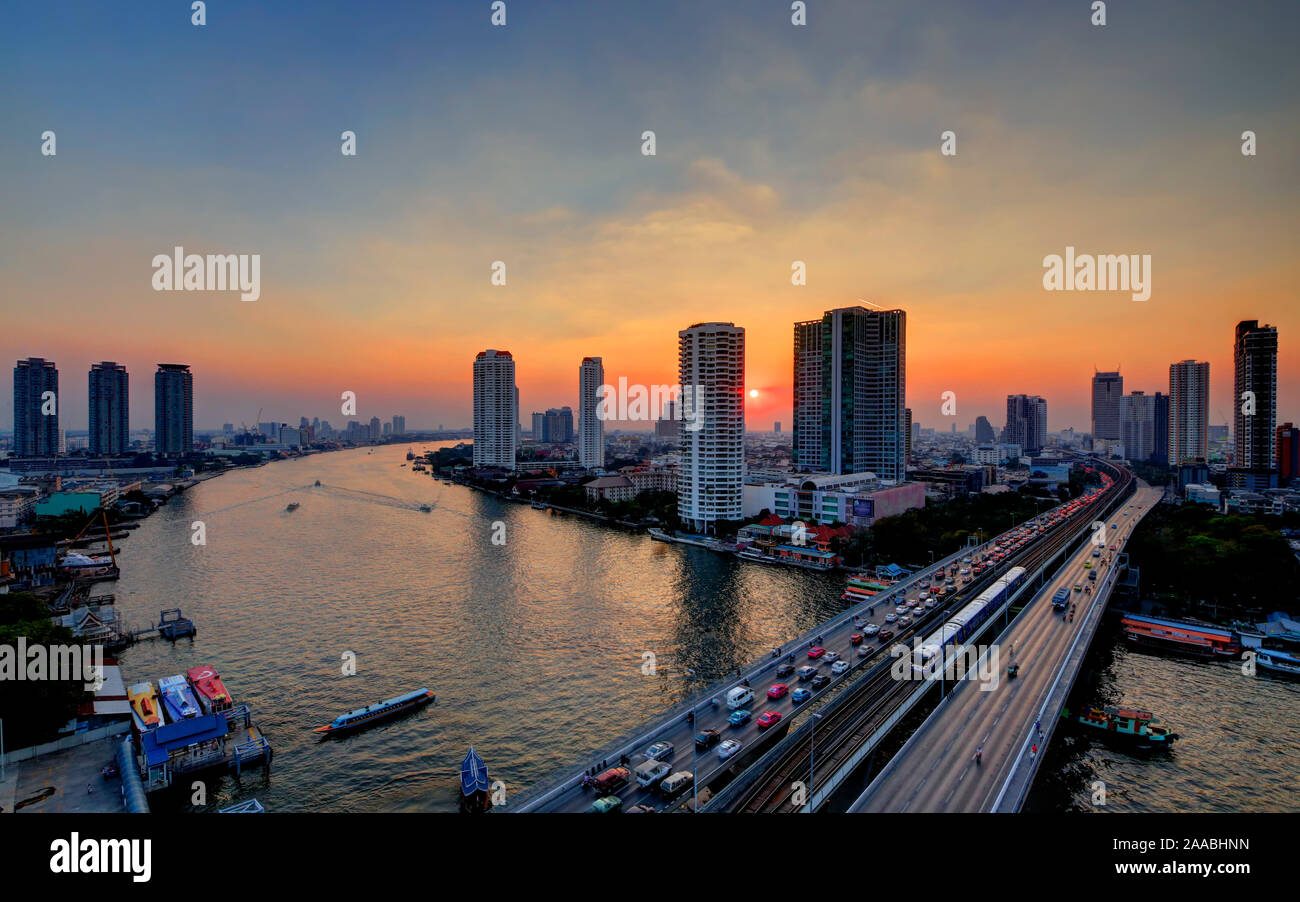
1061 600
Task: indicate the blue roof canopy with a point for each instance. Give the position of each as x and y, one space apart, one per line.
158 744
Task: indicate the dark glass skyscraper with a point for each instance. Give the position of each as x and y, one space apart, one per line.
1254 355
173 409
1026 422
850 393
109 408
1107 389
36 433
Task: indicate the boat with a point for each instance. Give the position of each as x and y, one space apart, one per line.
1188 637
318 482
1128 725
475 787
1277 661
410 455
172 624
293 506
792 556
209 689
427 508
538 505
178 701
144 707
81 566
389 707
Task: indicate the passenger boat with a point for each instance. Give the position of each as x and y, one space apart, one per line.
1277 661
1188 637
1128 725
144 707
364 717
209 689
178 700
475 787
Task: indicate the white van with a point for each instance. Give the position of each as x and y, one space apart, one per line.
739 697
677 783
651 771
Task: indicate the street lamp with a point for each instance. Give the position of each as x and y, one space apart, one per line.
695 704
812 759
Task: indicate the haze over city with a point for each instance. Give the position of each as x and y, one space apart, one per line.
822 149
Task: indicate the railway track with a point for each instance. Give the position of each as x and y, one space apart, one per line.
874 697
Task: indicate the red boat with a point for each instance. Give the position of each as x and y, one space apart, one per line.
210 690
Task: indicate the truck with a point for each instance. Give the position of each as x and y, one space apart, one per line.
1061 600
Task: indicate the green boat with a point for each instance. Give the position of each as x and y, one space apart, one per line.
1126 725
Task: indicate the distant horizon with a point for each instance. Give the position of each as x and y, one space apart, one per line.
778 149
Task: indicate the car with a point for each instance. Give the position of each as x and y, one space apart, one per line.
891 618
1078 587
660 751
839 667
929 605
816 651
1096 552
706 739
727 748
904 620
867 651
855 639
739 718
768 719
832 656
885 635
777 690
1087 565
820 681
807 673
605 805
800 695
784 671
900 610
870 629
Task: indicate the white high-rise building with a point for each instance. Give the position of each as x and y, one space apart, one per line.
591 428
1189 411
496 416
710 483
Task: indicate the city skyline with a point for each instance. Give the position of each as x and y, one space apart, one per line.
822 150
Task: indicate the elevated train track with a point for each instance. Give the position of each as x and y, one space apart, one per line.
865 708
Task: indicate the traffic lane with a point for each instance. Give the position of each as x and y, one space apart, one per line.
959 783
949 777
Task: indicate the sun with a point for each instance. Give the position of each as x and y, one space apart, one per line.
753 393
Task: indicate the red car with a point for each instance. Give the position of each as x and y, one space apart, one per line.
767 719
777 691
855 639
816 651
885 635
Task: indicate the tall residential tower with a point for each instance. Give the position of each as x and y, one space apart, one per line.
711 367
496 417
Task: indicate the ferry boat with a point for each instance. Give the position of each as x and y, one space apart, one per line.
1277 661
1127 724
144 707
178 700
364 717
1188 637
475 787
209 689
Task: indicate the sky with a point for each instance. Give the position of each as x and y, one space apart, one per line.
775 143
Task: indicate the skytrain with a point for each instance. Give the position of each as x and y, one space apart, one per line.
964 623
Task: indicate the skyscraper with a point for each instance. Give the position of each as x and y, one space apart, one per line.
907 434
1137 425
1107 389
591 427
850 392
399 425
36 434
984 434
1189 411
109 408
496 419
173 409
1288 453
711 367
1026 423
1254 406
1160 428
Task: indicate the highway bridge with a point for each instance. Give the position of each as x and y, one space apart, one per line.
1011 726
833 742
765 774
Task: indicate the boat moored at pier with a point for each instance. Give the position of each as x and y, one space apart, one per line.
144 707
178 701
209 689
